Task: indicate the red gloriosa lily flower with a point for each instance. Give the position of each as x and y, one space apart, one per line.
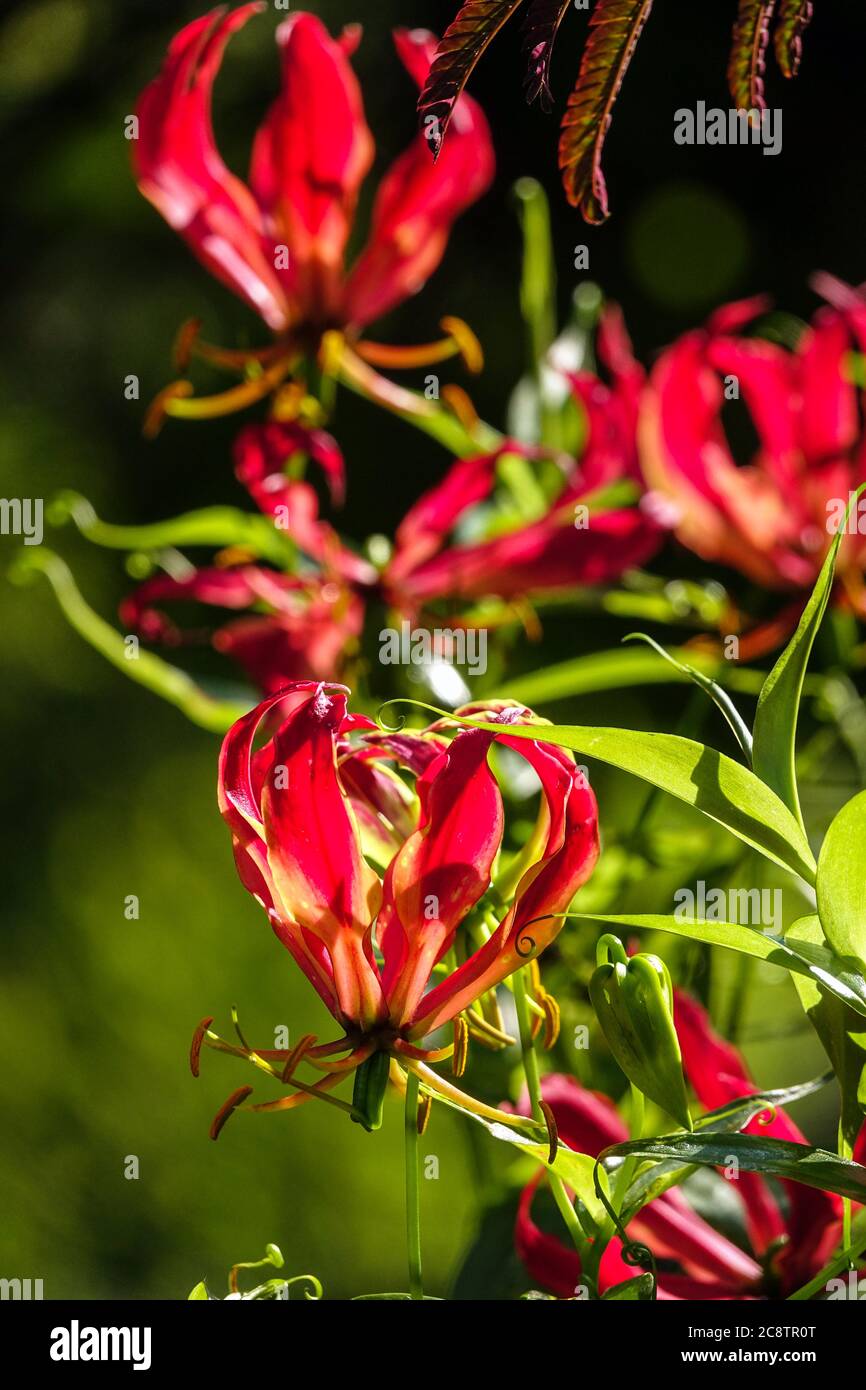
307 625
279 240
547 553
294 625
772 518
322 801
789 1246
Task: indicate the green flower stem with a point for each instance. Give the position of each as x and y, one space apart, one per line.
626 1173
146 669
845 1149
415 409
446 1091
209 526
538 280
413 1203
537 288
622 1182
533 1084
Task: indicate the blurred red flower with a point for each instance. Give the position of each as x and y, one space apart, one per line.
279 239
308 624
789 1244
774 516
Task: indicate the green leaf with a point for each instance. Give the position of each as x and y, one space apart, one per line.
735 1115
816 962
841 882
720 698
210 526
748 47
842 1033
148 670
639 1290
793 18
575 1169
620 668
755 1154
542 27
199 1294
775 731
614 29
462 45
714 784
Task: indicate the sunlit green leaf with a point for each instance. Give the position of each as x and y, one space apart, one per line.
714 784
841 881
841 1030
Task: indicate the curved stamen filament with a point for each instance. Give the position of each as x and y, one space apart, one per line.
188 344
305 1093
297 1053
420 1054
486 1034
345 1064
178 400
213 1040
461 1046
447 1091
460 342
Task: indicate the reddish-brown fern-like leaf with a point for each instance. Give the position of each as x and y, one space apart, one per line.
615 28
794 17
542 26
748 49
463 43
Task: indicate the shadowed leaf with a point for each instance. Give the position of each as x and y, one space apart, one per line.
755 1154
542 27
463 43
748 50
841 1030
615 28
793 18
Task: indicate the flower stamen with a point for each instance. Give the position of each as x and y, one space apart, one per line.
227 1109
198 1038
461 1046
179 400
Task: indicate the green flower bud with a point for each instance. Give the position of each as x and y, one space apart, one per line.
371 1083
633 1001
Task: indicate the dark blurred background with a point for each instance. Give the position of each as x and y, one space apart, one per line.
106 792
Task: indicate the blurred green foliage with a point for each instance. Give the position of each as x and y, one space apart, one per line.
106 793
